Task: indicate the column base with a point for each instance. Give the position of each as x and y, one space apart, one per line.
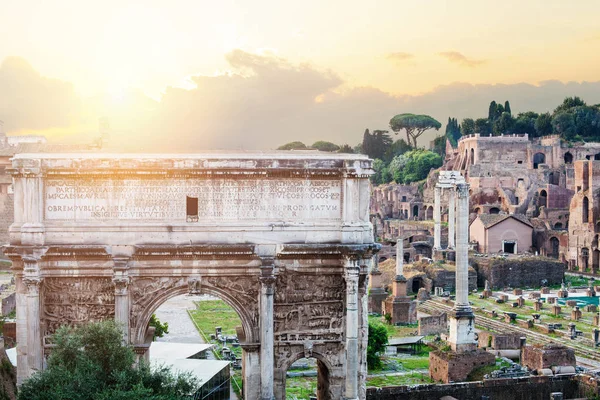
462 330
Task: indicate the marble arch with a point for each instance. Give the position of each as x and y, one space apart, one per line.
283 237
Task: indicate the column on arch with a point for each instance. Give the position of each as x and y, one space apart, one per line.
267 280
451 217
352 357
35 350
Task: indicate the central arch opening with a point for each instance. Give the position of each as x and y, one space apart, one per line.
207 321
307 378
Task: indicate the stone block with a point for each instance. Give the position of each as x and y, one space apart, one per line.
591 308
534 295
525 323
536 358
537 305
455 367
575 314
486 293
562 294
571 303
551 299
503 297
510 317
517 292
499 341
520 301
556 310
376 297
596 320
545 290
545 328
423 294
590 292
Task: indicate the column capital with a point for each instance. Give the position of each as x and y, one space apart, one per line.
462 190
194 284
121 285
33 284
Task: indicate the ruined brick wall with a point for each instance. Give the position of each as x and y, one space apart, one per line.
534 357
519 272
433 325
445 278
499 341
530 388
8 304
455 367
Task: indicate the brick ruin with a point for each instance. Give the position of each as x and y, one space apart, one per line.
551 184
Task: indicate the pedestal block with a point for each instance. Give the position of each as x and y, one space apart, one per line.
376 298
451 366
402 309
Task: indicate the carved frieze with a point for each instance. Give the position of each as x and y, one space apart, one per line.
144 291
71 301
308 307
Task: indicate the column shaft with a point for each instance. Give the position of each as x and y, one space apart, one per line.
399 257
451 218
35 350
352 271
122 305
462 246
437 219
266 334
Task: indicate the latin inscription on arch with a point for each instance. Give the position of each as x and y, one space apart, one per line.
218 199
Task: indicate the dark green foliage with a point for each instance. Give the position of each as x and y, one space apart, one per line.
492 111
483 126
345 148
569 103
507 107
525 123
378 338
375 145
503 124
397 148
414 125
293 146
439 146
468 126
382 174
543 124
160 329
322 145
91 362
453 131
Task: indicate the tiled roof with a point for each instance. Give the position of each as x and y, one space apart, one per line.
490 220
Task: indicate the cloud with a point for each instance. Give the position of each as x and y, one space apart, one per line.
400 57
31 101
263 102
461 59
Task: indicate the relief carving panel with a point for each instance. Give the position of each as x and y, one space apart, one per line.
72 301
308 307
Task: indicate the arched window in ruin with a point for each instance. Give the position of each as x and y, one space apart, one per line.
554 178
554 247
597 157
429 212
558 226
382 259
585 212
543 198
494 210
472 156
415 211
568 158
538 158
406 257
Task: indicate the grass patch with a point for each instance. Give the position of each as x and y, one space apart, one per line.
415 363
301 387
414 378
478 373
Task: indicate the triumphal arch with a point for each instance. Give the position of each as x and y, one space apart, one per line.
282 237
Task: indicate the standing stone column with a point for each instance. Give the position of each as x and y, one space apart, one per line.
363 331
35 349
267 280
451 218
399 257
121 282
462 324
351 276
437 219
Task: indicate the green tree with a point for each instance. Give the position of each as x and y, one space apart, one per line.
382 174
507 107
90 362
322 145
563 123
293 146
569 103
417 166
525 123
397 148
345 148
468 126
439 145
482 126
378 338
492 110
503 124
414 125
543 124
375 145
160 329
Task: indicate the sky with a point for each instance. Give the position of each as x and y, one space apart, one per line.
253 74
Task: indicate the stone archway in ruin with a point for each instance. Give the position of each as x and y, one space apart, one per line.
283 238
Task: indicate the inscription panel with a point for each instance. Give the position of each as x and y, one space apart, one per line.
217 199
